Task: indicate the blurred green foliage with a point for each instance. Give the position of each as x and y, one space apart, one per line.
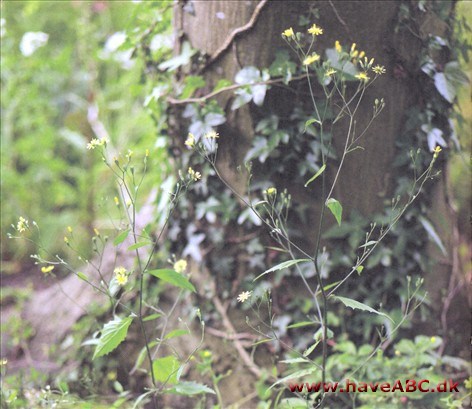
68 76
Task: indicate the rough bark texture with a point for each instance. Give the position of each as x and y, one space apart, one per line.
369 24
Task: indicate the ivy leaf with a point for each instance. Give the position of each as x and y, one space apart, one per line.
174 278
190 388
356 305
113 334
335 208
282 266
320 171
182 59
192 83
121 237
166 369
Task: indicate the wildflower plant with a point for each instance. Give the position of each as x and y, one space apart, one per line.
123 285
343 78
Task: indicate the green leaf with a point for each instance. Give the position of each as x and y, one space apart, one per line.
369 243
320 333
309 350
295 361
121 237
311 121
336 209
301 324
432 234
151 317
190 388
139 245
174 278
166 369
176 333
359 269
113 334
356 305
223 83
295 375
282 266
192 83
320 171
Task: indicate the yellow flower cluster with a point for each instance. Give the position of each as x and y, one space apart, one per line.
362 76
121 275
288 33
46 270
329 72
379 69
315 30
194 175
311 59
180 266
97 142
190 141
212 135
22 225
244 296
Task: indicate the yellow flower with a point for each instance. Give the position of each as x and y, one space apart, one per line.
337 46
190 141
97 233
47 269
436 151
69 229
329 72
117 201
288 33
66 240
22 224
3 361
433 340
315 30
353 47
379 69
362 76
245 295
180 266
147 153
121 275
362 54
354 54
212 135
271 191
311 59
194 175
97 142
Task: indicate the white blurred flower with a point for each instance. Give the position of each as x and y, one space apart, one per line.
3 30
31 41
110 50
114 42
